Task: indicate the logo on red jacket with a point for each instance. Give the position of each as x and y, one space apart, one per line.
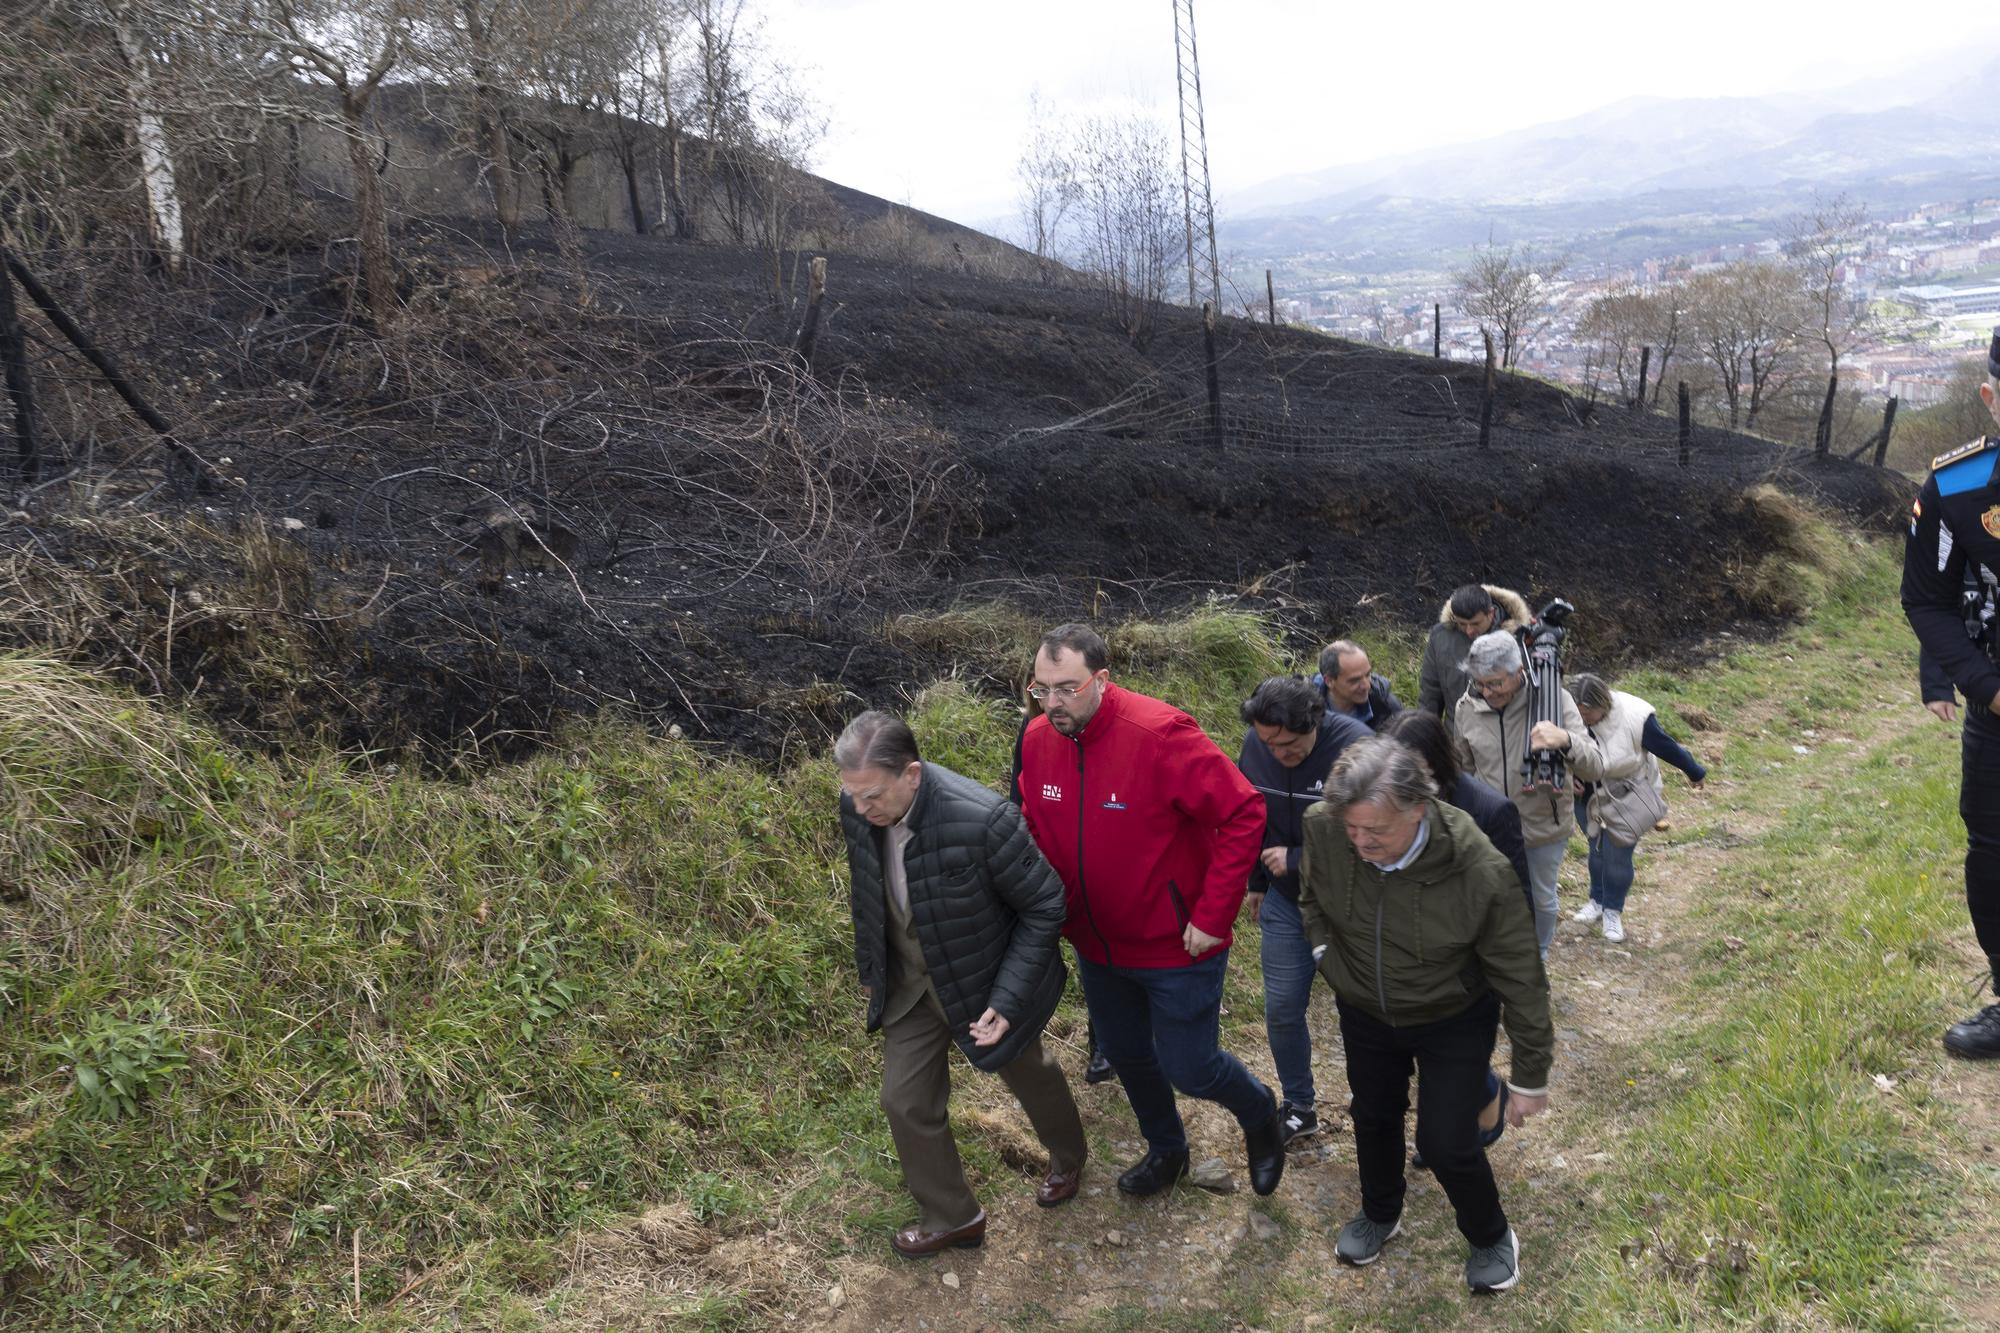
1114 803
1051 792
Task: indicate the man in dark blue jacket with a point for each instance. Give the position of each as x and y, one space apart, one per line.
1351 685
1289 749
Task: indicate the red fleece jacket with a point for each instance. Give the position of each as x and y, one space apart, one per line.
1149 825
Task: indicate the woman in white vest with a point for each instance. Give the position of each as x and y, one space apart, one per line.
1625 801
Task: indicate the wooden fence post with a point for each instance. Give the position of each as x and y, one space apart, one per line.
1645 364
1486 394
1882 442
1687 423
1271 298
1437 330
1214 375
20 388
809 327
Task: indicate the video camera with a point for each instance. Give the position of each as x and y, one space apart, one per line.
1541 645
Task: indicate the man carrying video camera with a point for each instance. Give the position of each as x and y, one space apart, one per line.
1502 744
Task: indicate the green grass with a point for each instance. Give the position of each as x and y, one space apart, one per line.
465 1020
478 1021
1774 1180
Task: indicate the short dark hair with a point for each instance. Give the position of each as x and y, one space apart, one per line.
876 740
1425 734
1329 656
1287 702
1471 600
1080 639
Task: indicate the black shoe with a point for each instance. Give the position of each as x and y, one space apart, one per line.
1099 1068
1977 1037
1296 1122
1154 1172
1265 1146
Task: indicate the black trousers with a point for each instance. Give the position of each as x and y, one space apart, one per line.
1450 1058
1979 807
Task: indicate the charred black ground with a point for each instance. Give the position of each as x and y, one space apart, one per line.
562 489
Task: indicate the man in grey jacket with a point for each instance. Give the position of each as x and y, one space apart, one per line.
956 919
1494 735
1473 610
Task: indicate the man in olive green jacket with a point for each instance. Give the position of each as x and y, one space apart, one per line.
1419 925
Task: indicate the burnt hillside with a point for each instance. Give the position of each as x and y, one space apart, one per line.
560 489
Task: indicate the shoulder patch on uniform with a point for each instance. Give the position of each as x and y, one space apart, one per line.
1950 456
1965 468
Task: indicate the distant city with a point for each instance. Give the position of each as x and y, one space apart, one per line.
1931 275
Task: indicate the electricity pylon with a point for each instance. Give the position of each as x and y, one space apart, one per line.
1204 274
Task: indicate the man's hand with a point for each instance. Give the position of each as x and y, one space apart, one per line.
1548 736
1197 940
989 1028
1946 710
1254 904
1276 859
1520 1106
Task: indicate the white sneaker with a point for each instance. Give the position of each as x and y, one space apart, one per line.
1614 926
1590 911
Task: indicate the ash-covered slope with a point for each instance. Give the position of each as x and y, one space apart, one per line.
559 490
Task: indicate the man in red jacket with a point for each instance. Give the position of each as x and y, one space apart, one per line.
1153 831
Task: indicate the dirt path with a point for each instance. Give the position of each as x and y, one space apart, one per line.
1190 1260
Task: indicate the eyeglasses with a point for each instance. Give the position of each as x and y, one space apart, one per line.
1041 694
1493 686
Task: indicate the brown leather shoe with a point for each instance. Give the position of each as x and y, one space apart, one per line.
914 1243
1059 1187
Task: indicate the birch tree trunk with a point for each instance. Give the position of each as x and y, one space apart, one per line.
156 159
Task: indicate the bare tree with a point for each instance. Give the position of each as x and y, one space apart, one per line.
666 33
721 102
1822 242
477 44
1615 326
1745 319
1507 291
1048 184
789 127
156 157
140 115
1129 182
1664 328
352 45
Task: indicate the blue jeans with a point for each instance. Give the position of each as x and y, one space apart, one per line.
1288 982
1611 868
1160 1027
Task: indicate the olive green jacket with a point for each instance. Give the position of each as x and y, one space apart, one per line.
1422 944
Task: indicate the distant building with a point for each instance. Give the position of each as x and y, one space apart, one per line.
1943 302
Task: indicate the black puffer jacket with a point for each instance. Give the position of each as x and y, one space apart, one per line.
988 911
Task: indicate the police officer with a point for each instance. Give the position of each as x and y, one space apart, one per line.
1954 543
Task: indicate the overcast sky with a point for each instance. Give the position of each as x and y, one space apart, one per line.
928 99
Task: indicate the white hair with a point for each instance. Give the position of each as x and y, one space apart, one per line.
1494 654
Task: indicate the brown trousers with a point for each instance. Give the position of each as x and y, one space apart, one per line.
916 1094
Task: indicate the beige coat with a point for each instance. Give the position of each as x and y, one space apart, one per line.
1490 747
1620 738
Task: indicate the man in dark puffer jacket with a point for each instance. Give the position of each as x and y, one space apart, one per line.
956 918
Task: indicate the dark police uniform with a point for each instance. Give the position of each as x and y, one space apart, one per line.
1951 575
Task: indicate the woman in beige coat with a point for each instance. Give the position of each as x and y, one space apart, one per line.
1628 736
